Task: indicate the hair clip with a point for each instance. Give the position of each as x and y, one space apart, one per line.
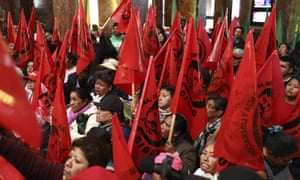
275 129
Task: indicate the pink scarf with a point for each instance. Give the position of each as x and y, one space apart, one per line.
72 115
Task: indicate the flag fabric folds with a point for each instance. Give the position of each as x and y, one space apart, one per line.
145 138
124 166
55 39
266 42
81 42
189 98
59 145
222 79
22 44
150 39
270 91
11 34
132 66
240 119
203 42
16 114
122 15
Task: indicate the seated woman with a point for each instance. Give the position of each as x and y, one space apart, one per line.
86 152
81 113
279 149
180 143
164 100
208 162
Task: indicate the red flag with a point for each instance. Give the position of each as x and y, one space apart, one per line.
81 40
122 15
42 97
216 31
55 39
240 119
176 22
222 79
16 114
189 98
270 90
234 23
203 42
31 25
145 138
132 66
8 171
60 65
11 34
95 172
22 44
41 46
150 39
176 39
123 163
218 47
59 145
266 42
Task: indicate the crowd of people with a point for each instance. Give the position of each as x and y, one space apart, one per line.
92 99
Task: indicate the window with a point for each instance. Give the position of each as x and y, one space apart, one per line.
260 11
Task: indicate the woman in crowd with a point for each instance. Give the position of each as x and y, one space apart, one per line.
283 49
81 113
180 143
86 152
164 100
208 162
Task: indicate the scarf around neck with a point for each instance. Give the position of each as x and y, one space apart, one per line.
72 115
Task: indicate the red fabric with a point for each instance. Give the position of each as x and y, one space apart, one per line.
74 34
176 39
203 42
59 145
145 138
294 115
41 46
239 139
266 41
132 65
150 39
122 15
216 31
22 44
95 172
123 163
189 98
218 47
176 22
222 79
44 89
234 23
7 171
270 90
84 47
16 114
11 34
55 39
31 26
60 64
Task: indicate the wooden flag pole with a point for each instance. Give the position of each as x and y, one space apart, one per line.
172 128
106 22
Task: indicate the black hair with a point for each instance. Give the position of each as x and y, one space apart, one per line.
288 59
83 94
288 47
96 152
169 88
279 143
181 126
220 102
73 58
105 75
239 27
95 27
